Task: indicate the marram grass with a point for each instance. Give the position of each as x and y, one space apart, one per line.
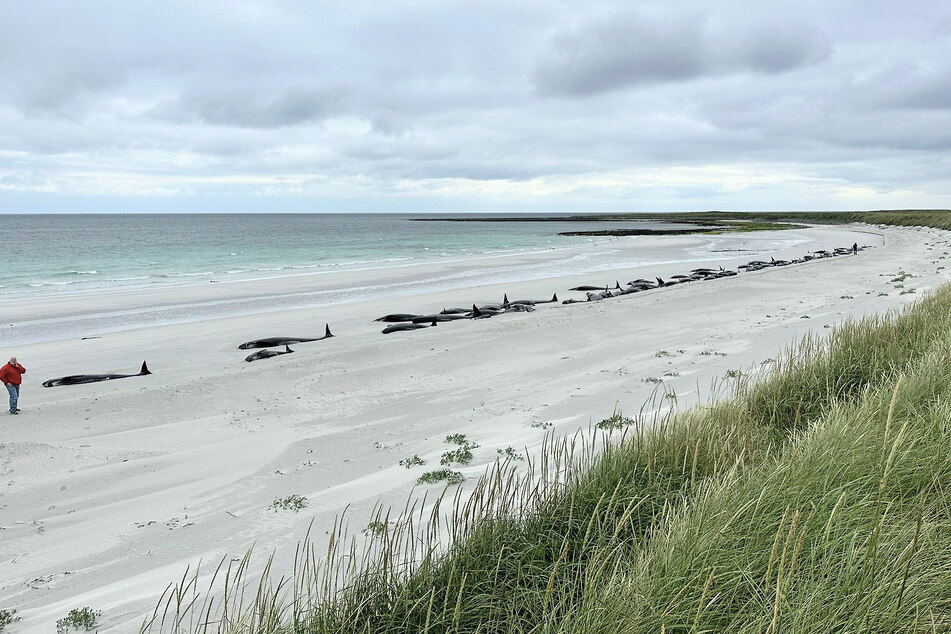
816 499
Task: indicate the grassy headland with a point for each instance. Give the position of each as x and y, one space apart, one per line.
732 221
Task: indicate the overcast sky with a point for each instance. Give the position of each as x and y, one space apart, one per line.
440 105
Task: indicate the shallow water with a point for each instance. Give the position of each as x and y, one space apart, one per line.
63 254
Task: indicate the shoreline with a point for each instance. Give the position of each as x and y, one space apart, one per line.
322 288
124 484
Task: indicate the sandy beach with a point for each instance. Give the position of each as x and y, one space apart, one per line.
110 491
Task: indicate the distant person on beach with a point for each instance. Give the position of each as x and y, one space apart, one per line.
855 248
12 374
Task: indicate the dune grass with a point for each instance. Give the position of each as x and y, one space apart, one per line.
815 499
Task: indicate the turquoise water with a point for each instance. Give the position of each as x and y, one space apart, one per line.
68 254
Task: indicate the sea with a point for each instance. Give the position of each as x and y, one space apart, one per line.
68 254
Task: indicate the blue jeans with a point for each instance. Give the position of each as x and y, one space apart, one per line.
14 391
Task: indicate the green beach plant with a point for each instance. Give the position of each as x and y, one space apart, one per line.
460 455
441 475
615 421
292 502
78 619
409 463
510 453
460 439
7 616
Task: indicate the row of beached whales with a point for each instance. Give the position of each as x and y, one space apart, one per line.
400 322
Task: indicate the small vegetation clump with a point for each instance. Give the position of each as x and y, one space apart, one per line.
510 453
615 421
542 425
376 527
672 374
412 462
652 379
442 475
84 619
733 374
292 502
460 455
662 353
7 617
460 439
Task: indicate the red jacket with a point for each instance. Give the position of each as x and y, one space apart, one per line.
12 373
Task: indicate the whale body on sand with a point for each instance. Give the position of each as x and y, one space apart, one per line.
78 379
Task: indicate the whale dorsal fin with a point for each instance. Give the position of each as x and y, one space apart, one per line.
554 297
144 370
287 348
327 332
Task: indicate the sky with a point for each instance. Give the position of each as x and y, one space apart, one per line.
447 106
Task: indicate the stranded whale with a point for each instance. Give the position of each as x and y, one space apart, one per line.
281 341
397 318
77 379
405 326
267 354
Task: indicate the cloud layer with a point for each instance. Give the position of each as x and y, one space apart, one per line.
426 105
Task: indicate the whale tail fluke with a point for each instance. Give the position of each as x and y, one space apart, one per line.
659 281
327 332
287 348
617 284
144 370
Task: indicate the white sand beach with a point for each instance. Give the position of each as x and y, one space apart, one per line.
110 491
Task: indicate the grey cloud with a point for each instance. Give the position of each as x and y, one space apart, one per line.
253 108
635 50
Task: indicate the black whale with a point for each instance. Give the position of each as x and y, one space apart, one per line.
77 379
282 341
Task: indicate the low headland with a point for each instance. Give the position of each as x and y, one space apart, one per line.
714 222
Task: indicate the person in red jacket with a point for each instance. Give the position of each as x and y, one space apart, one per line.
12 375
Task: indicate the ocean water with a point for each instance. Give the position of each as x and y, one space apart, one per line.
68 254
